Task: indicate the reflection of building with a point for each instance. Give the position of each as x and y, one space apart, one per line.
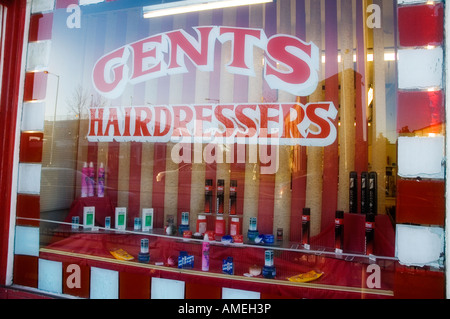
58 178
430 130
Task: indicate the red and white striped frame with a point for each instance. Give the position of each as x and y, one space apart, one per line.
26 261
421 108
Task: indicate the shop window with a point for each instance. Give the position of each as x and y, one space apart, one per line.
278 123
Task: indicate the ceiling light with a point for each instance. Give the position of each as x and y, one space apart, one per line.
187 6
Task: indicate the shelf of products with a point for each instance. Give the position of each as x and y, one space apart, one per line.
256 259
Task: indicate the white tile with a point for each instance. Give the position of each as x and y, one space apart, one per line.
38 55
104 284
42 5
419 245
50 276
33 116
420 68
421 157
29 178
229 293
167 289
26 241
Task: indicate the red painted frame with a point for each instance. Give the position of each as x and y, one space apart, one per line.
10 90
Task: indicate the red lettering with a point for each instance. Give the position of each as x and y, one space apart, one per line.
321 124
96 120
200 118
242 51
198 52
147 50
127 121
249 129
310 125
290 128
279 49
227 123
299 60
141 128
158 120
110 73
112 121
179 124
265 119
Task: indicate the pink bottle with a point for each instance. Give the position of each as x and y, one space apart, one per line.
91 180
205 256
101 181
84 180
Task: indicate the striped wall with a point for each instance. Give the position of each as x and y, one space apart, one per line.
308 176
420 113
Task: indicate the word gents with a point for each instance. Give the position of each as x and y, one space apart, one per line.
290 64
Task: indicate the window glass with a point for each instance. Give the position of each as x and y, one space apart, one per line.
278 120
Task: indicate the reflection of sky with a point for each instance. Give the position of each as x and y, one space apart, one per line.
75 51
65 61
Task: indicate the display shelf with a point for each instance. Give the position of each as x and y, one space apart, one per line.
311 285
344 274
64 231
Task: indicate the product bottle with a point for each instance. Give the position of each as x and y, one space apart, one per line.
219 228
373 187
269 270
279 234
353 193
185 218
252 229
108 222
208 196
220 196
201 224
144 255
364 192
84 180
253 226
235 226
205 256
184 222
370 231
91 180
305 227
233 196
101 181
144 246
339 231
